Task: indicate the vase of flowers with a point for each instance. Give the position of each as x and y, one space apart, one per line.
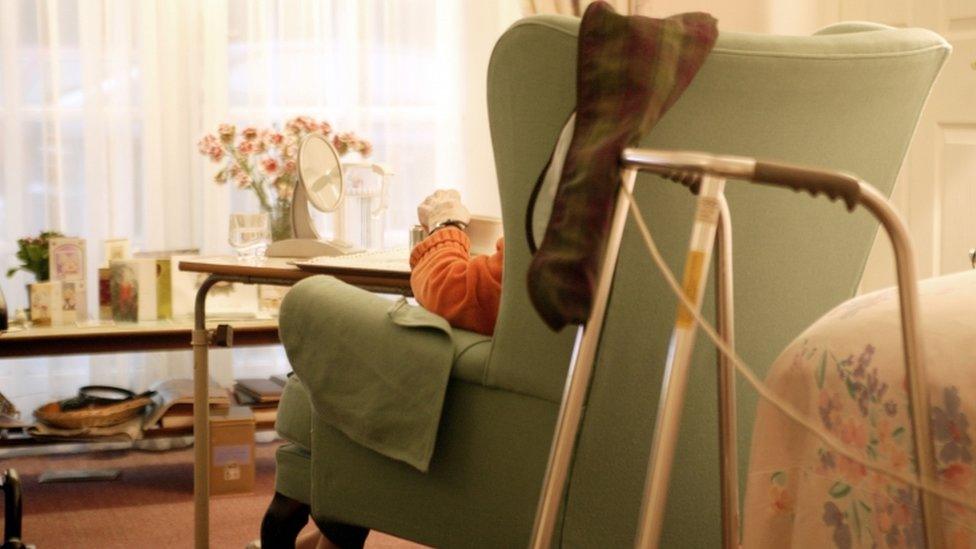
33 255
265 161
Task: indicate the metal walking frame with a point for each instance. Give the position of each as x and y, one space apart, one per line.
201 339
13 511
706 174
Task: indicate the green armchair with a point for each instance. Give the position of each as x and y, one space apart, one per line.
847 98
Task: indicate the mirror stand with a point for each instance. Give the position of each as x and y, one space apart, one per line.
305 241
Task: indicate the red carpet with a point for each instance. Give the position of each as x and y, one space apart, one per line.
151 505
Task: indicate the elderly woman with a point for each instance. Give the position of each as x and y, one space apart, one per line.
445 280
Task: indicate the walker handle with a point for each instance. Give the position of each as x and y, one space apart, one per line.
834 184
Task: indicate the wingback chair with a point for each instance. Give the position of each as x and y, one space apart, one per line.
846 98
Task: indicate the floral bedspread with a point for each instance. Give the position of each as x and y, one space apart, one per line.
847 372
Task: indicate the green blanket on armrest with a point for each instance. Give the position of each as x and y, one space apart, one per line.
374 369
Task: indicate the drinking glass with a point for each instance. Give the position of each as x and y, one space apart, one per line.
250 234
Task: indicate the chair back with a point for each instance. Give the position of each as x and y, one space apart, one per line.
847 98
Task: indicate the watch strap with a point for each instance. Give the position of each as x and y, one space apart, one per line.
450 223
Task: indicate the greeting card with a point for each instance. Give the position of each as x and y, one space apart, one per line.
133 288
105 294
166 261
116 248
164 288
66 257
73 302
45 298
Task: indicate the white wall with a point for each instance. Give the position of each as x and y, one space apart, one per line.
763 16
935 189
483 23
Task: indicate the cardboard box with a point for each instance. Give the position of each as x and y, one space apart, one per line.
232 451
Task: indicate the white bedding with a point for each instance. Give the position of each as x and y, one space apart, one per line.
847 372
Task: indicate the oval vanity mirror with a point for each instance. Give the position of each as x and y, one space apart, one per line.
320 173
320 183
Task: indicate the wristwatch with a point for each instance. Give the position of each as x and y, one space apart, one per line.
450 223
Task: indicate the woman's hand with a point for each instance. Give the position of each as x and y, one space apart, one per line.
441 207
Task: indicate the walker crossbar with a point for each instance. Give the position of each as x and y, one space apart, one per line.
706 174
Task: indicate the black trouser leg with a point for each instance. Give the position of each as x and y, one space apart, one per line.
346 536
282 522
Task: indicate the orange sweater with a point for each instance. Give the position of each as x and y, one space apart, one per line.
446 280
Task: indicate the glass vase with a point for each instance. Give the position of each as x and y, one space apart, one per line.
280 215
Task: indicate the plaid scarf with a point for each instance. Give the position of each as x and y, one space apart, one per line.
630 70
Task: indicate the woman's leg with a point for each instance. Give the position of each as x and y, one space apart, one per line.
342 536
347 537
282 522
313 540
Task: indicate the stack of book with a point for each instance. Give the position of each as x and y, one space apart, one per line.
173 406
262 396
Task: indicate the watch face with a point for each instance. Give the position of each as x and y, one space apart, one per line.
454 223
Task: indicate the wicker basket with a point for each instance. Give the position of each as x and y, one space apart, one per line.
93 416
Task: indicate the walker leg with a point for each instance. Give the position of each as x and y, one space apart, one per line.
724 314
931 505
201 419
13 510
668 420
578 382
201 443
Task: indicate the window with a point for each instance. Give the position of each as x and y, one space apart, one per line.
101 109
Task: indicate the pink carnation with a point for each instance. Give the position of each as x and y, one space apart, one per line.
274 139
226 132
261 157
216 153
245 147
270 166
301 124
206 143
307 124
242 180
365 148
342 142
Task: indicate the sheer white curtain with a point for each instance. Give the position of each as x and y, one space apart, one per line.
102 103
